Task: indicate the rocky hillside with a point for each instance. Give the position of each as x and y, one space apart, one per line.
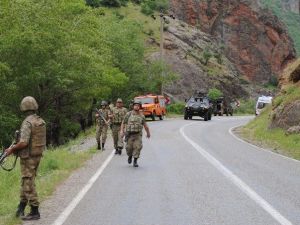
286 107
185 50
256 41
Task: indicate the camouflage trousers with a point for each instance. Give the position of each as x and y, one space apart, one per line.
29 167
134 145
101 132
118 141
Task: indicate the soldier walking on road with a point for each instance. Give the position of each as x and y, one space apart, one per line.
102 123
30 149
117 115
133 124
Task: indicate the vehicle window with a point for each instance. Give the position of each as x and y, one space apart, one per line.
261 105
146 100
192 100
162 102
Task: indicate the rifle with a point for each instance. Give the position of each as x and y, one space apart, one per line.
9 163
101 115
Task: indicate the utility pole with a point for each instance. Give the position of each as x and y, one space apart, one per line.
162 23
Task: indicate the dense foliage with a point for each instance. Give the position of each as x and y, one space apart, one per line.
68 56
292 20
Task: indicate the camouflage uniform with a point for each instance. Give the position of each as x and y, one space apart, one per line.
101 126
118 115
33 132
134 123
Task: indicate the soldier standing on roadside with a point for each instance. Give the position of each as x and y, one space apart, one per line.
117 115
133 124
102 122
30 149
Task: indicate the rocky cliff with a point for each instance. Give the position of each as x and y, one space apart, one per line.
184 50
254 39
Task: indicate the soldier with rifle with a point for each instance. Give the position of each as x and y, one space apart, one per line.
29 148
102 123
132 127
117 115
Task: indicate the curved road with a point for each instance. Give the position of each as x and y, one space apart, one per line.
194 173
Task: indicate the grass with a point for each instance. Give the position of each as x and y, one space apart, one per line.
56 165
258 131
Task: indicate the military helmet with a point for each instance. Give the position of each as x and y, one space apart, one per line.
120 100
28 104
137 102
103 103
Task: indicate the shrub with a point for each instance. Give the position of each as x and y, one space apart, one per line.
177 108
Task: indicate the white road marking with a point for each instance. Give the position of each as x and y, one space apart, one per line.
65 214
237 181
256 147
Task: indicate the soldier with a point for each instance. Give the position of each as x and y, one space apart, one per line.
133 124
102 122
30 149
117 115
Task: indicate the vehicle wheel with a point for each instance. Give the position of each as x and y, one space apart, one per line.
209 116
206 116
186 116
153 116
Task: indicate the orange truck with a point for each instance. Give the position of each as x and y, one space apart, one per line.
153 105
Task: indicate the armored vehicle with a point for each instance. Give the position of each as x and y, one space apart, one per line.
198 106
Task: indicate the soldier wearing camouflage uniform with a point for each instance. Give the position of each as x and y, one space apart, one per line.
102 123
30 149
132 127
117 115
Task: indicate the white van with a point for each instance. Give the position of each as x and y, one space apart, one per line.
261 103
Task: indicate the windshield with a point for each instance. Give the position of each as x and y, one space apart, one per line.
145 100
261 105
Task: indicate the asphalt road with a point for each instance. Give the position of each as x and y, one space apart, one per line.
194 173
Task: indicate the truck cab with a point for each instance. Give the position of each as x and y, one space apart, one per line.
153 105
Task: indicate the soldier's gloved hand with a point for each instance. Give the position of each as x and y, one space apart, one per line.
97 115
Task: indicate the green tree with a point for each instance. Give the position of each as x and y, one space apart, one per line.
214 94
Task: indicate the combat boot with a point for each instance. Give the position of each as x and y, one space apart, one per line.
120 151
21 209
33 215
129 159
135 162
103 147
98 147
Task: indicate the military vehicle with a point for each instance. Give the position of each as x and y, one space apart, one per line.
222 106
198 105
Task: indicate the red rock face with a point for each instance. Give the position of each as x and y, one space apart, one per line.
255 40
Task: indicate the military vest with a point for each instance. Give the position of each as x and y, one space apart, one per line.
37 142
134 123
118 114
